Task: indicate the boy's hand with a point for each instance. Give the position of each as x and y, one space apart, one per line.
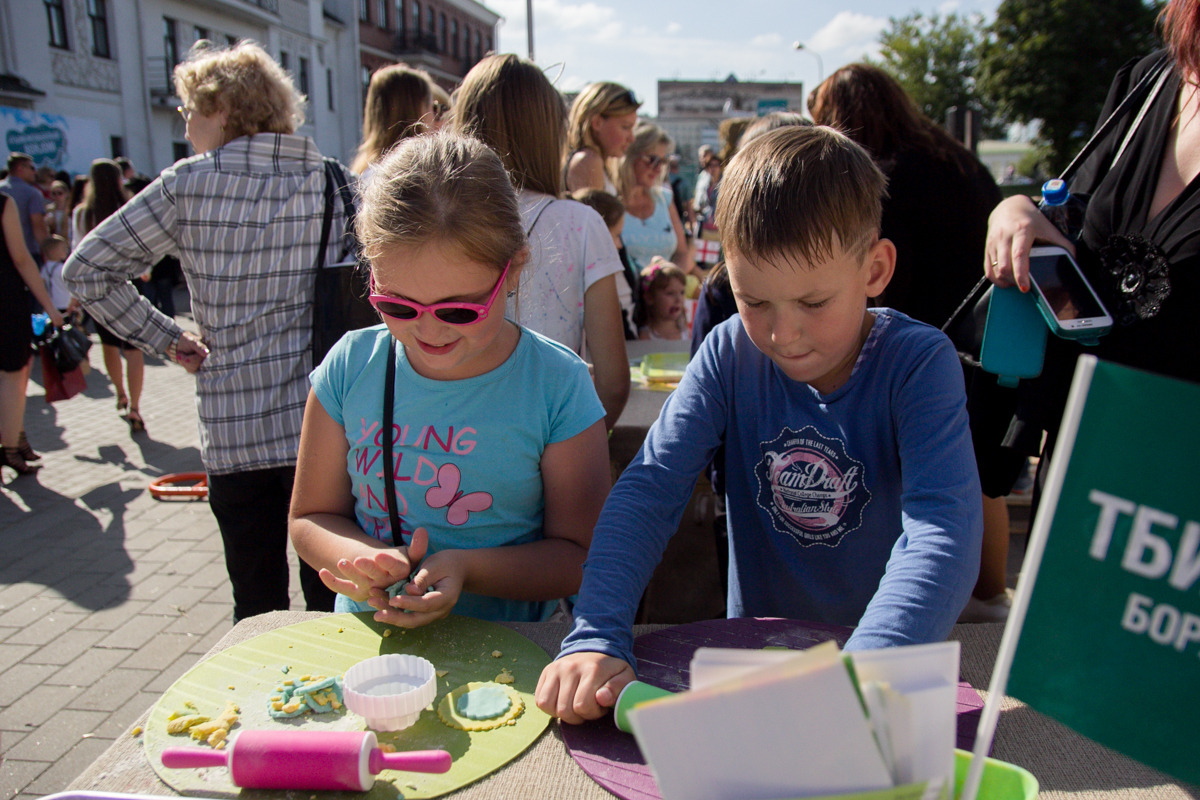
430 595
358 577
582 686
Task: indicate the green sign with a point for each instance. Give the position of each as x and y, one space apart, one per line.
1111 640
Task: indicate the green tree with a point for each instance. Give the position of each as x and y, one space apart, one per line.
935 59
1053 60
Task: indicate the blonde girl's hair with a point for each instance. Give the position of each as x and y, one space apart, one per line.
646 136
397 96
510 105
604 99
442 187
246 82
654 277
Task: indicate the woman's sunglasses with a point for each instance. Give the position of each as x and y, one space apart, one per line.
653 161
450 313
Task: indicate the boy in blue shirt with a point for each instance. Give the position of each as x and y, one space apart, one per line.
851 486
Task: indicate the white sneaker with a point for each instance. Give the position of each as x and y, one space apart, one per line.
994 609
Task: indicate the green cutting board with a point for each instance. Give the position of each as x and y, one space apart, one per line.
248 673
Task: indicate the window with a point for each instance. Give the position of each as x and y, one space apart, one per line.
117 145
56 19
303 76
180 150
416 6
430 20
364 10
284 60
230 40
454 36
365 77
98 14
400 21
478 47
442 32
382 7
199 33
170 45
329 87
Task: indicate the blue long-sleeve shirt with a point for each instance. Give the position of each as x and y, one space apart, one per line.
860 507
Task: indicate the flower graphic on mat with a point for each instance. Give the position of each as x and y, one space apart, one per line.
447 495
1139 276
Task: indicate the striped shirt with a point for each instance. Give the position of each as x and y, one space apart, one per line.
245 222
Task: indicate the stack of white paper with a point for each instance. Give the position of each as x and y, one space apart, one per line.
769 724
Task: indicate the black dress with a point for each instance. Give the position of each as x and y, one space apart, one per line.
16 306
1117 222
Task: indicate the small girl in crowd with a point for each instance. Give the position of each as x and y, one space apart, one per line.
55 252
661 314
497 462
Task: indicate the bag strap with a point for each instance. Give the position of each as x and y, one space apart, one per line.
389 477
1150 98
338 184
1135 95
327 221
542 210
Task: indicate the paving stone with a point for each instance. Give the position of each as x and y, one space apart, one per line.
26 613
161 651
67 768
171 673
154 587
115 688
47 629
65 648
86 670
204 642
44 704
136 632
14 653
202 618
168 551
118 723
177 601
16 775
111 618
21 680
213 576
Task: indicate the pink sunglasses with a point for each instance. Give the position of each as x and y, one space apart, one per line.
450 313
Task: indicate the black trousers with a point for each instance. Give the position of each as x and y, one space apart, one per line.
252 511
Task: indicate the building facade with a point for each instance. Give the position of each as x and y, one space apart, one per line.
443 37
84 79
691 111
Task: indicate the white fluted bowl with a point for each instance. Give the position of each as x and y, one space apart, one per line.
390 691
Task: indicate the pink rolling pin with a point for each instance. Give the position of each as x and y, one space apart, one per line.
346 760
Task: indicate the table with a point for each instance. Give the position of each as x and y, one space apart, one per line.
1068 766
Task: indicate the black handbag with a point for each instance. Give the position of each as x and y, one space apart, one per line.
340 301
70 348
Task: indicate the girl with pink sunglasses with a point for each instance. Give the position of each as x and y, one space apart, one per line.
471 453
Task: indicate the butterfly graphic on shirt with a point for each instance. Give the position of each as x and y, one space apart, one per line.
447 495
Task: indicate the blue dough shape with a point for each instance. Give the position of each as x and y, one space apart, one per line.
397 588
486 702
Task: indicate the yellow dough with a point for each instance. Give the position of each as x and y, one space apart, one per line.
448 709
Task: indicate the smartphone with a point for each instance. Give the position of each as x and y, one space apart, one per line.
1066 300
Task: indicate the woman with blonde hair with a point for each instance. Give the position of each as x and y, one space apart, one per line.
599 130
652 225
568 289
399 104
244 218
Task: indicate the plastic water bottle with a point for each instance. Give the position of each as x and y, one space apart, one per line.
40 321
1062 208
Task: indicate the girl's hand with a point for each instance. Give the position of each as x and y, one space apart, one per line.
56 317
365 577
430 595
582 686
1013 227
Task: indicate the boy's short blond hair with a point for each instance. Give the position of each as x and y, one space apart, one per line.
800 195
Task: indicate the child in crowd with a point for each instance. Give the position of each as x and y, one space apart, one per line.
485 493
661 313
851 486
612 211
55 252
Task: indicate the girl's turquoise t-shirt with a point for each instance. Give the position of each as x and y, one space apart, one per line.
467 453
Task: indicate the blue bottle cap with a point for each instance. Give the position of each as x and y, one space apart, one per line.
1055 192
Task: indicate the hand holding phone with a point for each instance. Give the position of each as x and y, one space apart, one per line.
1064 297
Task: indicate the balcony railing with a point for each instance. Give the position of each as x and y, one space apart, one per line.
160 80
415 42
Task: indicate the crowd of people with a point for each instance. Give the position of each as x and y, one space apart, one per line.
453 458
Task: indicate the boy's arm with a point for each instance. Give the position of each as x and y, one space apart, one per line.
935 562
644 508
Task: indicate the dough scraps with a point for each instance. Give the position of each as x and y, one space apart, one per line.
318 695
449 709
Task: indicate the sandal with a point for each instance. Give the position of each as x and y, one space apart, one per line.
25 450
122 405
136 423
14 459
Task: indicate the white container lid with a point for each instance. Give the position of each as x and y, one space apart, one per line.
390 691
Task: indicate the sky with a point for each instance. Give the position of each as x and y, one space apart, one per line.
638 42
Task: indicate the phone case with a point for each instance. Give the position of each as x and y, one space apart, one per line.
1014 336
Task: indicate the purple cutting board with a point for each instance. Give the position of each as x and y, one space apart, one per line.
612 758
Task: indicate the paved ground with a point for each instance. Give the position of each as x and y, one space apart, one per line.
106 594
